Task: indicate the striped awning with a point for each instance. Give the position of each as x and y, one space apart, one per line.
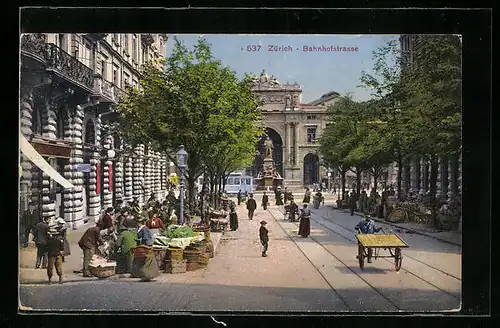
37 159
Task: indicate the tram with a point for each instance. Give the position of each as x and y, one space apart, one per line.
237 181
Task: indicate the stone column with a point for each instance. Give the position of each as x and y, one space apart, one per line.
459 175
50 128
286 153
422 176
138 175
48 207
296 145
147 174
107 194
118 179
439 182
129 192
94 204
25 163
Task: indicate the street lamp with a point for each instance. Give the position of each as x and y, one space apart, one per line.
181 162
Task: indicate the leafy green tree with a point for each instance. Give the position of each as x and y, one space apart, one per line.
196 102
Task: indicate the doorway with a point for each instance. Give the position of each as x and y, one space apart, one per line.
311 169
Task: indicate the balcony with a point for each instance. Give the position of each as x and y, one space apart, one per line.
57 60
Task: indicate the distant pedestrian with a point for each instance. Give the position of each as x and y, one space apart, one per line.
62 229
265 201
233 216
55 247
41 237
352 203
29 220
251 206
239 197
89 243
106 221
305 222
264 237
307 196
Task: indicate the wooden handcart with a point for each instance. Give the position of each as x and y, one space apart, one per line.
391 242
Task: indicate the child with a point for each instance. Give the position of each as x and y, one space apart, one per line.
264 239
55 246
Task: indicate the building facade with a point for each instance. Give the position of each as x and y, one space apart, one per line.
294 129
70 85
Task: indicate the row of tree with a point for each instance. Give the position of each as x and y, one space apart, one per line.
201 104
415 112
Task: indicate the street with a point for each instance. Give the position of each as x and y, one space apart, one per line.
319 273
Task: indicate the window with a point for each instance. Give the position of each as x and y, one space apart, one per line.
127 79
60 124
230 181
115 75
103 69
311 135
311 117
88 55
126 44
116 37
236 181
37 121
61 41
248 181
134 48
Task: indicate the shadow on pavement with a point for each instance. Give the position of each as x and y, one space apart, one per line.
367 269
136 296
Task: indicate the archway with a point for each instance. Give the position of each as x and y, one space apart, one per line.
311 169
89 140
277 152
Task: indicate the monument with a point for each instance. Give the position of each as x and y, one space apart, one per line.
268 178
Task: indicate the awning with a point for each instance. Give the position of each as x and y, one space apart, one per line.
39 161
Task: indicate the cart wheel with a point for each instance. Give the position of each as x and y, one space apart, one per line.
361 258
397 259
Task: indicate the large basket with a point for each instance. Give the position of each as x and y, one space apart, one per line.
175 266
101 272
175 254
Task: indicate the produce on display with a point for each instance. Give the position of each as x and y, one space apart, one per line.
175 231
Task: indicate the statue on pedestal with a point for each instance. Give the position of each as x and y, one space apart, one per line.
269 148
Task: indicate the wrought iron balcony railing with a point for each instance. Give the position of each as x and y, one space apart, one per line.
57 59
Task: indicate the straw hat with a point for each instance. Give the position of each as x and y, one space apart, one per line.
263 222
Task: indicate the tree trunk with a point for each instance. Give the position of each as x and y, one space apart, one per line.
375 180
191 193
400 177
433 188
358 182
342 180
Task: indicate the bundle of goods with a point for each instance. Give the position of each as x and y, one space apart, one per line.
177 236
101 267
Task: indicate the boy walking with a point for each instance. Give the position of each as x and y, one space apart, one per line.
264 238
55 246
251 206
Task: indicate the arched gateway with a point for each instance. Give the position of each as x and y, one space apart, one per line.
261 152
311 169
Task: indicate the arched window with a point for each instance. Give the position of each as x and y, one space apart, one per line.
89 132
117 142
37 121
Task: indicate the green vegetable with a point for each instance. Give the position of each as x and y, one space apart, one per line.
179 232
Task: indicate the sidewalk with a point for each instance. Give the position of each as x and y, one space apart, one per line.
27 259
451 237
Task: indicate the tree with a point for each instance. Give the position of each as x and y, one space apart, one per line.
196 102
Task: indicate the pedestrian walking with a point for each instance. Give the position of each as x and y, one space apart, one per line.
233 217
251 206
106 220
264 237
352 203
305 222
89 243
265 201
55 247
307 196
41 238
278 196
29 220
239 197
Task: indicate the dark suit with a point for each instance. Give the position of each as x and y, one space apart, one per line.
251 206
89 242
265 201
41 237
28 223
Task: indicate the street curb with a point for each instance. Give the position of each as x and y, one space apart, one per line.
401 227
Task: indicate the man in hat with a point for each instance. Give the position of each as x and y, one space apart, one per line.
62 229
106 220
239 197
367 226
41 237
251 206
144 235
264 238
29 220
55 247
89 243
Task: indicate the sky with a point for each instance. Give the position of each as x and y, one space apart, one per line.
318 72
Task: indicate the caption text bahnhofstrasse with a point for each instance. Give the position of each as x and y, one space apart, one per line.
304 48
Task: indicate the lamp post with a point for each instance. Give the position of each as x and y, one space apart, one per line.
181 162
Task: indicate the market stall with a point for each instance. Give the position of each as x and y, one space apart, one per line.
218 220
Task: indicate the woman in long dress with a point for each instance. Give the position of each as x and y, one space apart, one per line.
233 216
144 265
305 222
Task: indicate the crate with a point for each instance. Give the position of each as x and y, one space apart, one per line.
160 256
204 259
174 254
192 266
175 266
210 248
192 255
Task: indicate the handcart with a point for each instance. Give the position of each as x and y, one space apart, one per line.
391 242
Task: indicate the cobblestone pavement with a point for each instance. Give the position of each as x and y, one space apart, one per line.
320 273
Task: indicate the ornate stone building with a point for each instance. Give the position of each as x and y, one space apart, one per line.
70 85
294 129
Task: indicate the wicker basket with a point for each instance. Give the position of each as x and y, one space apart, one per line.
192 266
192 256
101 272
175 266
174 254
204 258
